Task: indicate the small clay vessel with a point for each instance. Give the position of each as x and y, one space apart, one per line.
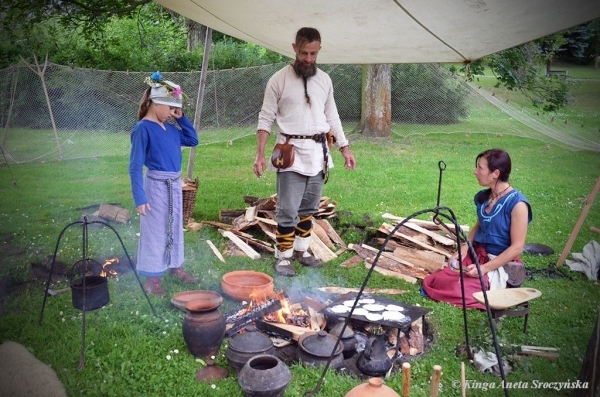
203 328
264 376
246 345
373 388
211 372
348 339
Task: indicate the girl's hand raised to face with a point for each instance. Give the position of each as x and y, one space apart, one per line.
176 112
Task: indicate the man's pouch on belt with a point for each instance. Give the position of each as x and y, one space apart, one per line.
330 139
283 155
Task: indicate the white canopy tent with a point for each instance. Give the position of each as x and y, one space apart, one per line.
391 31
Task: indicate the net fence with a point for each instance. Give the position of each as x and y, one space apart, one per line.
52 112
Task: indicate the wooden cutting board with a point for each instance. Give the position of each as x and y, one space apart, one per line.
501 299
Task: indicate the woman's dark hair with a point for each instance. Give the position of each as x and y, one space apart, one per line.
497 159
144 104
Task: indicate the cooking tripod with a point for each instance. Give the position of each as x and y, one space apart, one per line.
83 267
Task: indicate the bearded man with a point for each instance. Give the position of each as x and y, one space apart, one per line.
299 98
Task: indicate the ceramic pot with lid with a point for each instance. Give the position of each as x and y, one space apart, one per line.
373 388
246 345
348 338
203 328
315 348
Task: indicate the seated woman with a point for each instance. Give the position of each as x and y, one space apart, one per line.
498 236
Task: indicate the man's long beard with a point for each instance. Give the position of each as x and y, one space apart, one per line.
304 70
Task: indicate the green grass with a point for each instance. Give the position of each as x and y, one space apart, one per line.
127 348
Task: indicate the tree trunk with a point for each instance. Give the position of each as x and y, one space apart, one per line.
376 113
196 34
596 59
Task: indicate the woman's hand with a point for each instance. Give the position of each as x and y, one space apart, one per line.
141 209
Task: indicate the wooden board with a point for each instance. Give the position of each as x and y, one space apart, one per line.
501 299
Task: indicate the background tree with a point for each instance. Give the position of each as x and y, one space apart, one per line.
376 108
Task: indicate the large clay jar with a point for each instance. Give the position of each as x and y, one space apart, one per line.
203 328
246 345
264 376
348 338
374 388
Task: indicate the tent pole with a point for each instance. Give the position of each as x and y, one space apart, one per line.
584 212
200 99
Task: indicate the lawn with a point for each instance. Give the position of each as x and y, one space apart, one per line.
129 352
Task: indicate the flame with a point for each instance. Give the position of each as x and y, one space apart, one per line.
258 298
106 270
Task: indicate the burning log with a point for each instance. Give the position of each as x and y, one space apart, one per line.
250 313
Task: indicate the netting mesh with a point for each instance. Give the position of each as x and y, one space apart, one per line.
56 112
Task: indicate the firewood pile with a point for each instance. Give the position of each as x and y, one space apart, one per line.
416 249
253 229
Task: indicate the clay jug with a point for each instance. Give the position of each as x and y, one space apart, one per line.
373 388
264 376
374 360
203 328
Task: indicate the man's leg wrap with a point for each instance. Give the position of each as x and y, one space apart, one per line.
284 238
304 227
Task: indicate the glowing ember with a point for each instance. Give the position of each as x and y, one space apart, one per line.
288 314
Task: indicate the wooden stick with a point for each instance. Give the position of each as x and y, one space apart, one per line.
405 379
215 250
463 380
594 229
435 381
582 216
240 244
343 290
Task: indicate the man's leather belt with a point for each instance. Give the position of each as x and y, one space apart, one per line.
317 137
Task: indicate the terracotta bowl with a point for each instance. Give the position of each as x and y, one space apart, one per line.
199 300
241 283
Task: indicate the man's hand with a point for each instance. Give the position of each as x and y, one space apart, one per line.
349 161
260 165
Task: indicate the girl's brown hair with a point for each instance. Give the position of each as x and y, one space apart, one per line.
144 104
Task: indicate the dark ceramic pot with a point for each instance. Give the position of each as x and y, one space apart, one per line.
315 348
246 345
203 328
374 360
264 376
95 292
348 338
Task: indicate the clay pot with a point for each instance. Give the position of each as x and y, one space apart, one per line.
348 339
264 376
241 284
374 360
315 348
373 388
203 328
246 345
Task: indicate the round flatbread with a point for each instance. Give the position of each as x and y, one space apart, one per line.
338 309
366 301
374 316
394 308
393 316
349 303
374 307
359 311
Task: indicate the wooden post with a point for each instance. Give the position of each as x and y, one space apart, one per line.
590 369
463 380
405 379
584 212
435 381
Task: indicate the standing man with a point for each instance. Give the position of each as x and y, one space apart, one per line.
299 98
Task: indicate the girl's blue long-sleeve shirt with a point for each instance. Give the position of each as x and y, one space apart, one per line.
157 149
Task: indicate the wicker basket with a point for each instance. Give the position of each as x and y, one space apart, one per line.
189 190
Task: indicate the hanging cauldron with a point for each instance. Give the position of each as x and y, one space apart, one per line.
91 289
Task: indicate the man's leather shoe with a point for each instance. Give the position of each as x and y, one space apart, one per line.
184 276
307 260
284 267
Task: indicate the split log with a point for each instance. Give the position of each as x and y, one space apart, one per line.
426 224
343 290
350 263
322 235
295 330
388 228
426 260
114 213
249 239
325 225
219 225
390 273
250 214
215 250
240 244
320 250
228 216
434 235
391 262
